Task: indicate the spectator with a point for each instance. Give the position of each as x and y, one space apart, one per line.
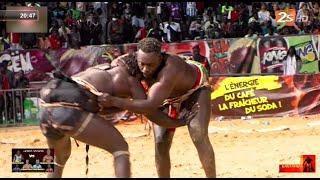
5 97
264 18
184 30
28 40
84 31
127 11
15 41
5 41
251 33
141 34
69 21
96 31
137 22
20 82
55 26
58 12
113 10
195 28
226 28
64 33
303 15
175 11
254 19
128 31
191 9
292 62
275 6
74 11
27 166
148 20
226 11
55 40
213 31
103 21
173 31
199 58
115 31
37 166
316 11
235 14
8 73
155 31
158 10
271 32
75 38
44 42
244 15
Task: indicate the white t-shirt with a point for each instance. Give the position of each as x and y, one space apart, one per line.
252 19
175 26
195 26
159 8
264 16
61 32
191 9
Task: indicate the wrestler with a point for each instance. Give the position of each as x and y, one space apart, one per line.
174 85
70 109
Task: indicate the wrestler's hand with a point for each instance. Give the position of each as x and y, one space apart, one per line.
105 100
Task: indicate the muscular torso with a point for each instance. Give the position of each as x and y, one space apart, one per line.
185 74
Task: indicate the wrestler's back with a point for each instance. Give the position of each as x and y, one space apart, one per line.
113 81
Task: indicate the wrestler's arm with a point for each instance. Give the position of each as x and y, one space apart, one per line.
156 116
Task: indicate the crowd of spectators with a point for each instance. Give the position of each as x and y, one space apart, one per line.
75 24
11 102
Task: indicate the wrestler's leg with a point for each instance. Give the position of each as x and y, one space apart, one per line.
56 140
198 129
103 134
163 140
62 151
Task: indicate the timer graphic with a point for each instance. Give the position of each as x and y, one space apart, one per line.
19 15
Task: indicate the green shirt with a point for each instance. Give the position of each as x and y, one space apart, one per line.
76 14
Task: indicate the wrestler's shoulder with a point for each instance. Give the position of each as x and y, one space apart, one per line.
175 63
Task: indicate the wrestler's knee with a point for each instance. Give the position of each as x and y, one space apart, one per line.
121 151
63 157
162 148
198 135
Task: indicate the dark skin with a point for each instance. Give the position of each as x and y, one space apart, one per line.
198 57
175 79
100 132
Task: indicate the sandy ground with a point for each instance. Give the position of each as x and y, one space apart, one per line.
243 148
